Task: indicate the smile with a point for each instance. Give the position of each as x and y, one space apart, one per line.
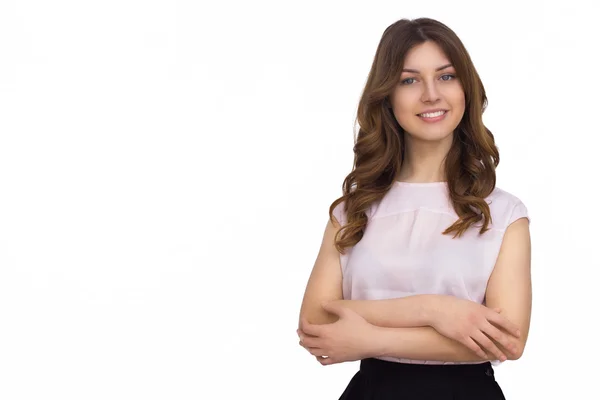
433 117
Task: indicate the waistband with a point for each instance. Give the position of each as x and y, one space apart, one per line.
382 367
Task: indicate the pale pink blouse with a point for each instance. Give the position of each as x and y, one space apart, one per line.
404 253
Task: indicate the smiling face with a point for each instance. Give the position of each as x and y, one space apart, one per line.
428 82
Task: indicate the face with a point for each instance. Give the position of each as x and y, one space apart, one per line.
428 83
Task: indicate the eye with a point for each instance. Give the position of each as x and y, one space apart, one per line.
451 77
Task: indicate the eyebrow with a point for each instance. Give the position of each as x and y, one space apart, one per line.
417 71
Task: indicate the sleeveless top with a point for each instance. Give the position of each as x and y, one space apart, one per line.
403 251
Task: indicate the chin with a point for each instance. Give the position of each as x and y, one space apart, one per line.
431 136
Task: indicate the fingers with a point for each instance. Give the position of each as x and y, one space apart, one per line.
474 347
319 353
309 328
500 337
505 324
485 341
301 332
309 341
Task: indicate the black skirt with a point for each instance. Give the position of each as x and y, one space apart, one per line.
383 380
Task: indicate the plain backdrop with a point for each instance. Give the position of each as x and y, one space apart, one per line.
166 170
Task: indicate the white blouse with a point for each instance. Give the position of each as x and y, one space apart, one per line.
404 253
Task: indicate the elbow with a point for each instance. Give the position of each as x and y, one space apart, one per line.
317 316
306 315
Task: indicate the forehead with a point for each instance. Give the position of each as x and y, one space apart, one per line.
426 56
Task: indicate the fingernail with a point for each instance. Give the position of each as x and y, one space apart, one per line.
518 332
503 358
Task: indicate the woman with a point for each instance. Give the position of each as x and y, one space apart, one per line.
424 269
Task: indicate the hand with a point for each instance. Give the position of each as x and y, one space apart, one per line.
347 339
470 323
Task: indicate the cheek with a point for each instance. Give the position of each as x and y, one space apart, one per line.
405 105
404 116
459 99
462 105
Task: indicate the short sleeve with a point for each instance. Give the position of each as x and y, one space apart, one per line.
518 211
340 214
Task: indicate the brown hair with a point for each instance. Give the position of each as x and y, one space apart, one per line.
378 148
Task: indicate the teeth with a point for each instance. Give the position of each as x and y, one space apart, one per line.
433 115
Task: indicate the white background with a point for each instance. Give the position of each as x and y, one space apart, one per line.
166 169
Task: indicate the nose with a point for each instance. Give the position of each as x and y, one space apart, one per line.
431 93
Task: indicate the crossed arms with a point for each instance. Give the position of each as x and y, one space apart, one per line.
424 327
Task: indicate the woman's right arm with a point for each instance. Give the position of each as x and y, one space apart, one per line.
325 281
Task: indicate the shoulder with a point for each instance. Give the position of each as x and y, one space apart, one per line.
505 208
339 211
340 214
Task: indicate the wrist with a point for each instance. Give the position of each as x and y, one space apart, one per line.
379 344
430 309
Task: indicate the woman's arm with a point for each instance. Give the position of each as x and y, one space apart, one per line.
509 286
423 343
325 281
405 312
410 311
461 331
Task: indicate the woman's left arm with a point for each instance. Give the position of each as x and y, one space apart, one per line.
509 286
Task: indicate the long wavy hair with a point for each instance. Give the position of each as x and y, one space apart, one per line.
471 162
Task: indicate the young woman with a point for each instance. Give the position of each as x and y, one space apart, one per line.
424 269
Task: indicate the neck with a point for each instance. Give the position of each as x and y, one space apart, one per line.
424 160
